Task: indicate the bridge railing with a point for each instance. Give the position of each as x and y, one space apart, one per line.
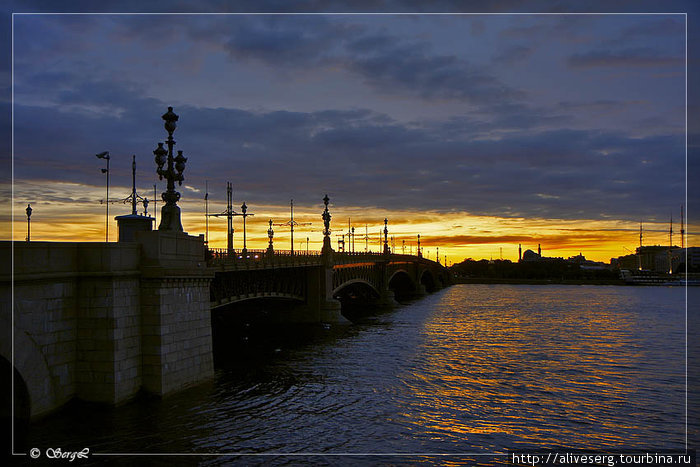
223 256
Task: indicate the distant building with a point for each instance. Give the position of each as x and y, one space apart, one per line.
587 264
531 256
656 258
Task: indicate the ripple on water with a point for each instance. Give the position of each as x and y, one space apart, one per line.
470 369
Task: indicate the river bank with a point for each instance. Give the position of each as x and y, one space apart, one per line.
501 280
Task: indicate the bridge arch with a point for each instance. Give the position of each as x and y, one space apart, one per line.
31 367
359 286
427 279
281 296
402 284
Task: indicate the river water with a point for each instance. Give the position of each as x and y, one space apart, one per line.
455 377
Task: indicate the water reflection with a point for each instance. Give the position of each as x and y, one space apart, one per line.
512 366
471 369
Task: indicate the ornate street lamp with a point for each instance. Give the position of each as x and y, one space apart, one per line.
105 155
326 216
386 236
270 235
29 214
420 253
437 255
244 210
170 213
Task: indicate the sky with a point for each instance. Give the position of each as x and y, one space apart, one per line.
479 132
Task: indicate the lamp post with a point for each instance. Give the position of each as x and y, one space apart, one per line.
386 236
170 213
244 210
437 255
326 216
105 155
420 254
29 214
270 235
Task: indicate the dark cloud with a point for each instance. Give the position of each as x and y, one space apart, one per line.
361 157
388 63
637 57
514 54
500 155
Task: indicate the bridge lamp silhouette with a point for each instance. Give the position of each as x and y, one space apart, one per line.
245 213
386 237
105 155
326 216
170 213
270 236
29 215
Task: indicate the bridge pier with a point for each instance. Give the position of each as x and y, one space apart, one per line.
102 321
329 307
387 298
176 320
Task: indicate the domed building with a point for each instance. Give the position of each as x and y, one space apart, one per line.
530 255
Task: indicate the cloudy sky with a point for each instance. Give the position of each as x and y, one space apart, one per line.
478 131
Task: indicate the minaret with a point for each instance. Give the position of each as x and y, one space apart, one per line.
539 250
520 252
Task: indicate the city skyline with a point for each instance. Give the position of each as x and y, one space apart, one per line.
478 132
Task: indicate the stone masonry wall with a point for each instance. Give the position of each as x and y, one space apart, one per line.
177 345
100 321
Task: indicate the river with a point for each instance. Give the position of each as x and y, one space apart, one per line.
455 377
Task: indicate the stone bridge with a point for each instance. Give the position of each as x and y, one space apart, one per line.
103 321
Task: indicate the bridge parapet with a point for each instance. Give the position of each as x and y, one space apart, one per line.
222 259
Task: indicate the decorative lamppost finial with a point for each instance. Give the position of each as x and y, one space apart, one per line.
170 213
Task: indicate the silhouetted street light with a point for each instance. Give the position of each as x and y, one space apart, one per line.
326 216
386 236
29 214
170 213
244 210
419 252
105 155
270 235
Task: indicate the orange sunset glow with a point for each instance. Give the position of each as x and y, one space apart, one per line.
79 216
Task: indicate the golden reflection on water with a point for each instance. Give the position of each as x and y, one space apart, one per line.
524 365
